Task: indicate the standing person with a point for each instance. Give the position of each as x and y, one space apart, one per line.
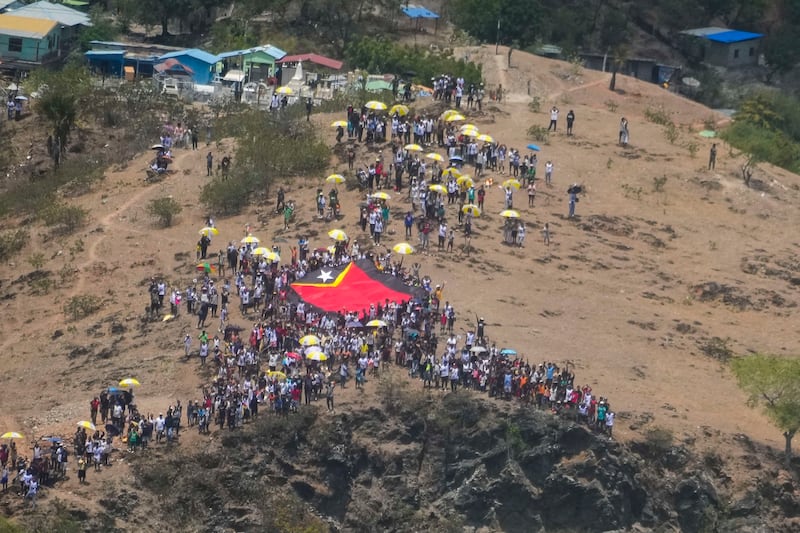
187 346
195 139
329 387
408 222
712 157
573 198
548 173
553 119
546 234
520 234
623 131
81 470
531 193
309 107
451 237
209 163
570 121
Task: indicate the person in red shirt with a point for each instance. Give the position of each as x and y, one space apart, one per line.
94 406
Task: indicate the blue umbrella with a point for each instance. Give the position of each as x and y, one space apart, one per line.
508 351
52 440
533 147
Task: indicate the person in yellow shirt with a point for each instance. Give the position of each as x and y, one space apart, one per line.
81 470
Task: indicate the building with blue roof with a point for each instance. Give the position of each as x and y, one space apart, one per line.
723 47
201 64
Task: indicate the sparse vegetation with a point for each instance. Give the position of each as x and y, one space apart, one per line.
693 148
658 183
164 210
671 132
612 106
12 242
539 134
535 105
631 191
81 306
36 260
658 441
657 115
64 218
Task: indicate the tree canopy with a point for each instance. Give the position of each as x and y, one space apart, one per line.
774 383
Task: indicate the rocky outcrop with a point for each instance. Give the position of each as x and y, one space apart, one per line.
460 464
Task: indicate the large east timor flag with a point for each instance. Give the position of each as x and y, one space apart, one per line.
351 287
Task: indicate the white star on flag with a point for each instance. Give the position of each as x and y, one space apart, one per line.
325 275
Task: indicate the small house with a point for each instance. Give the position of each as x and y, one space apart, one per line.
27 42
70 20
200 63
257 64
723 47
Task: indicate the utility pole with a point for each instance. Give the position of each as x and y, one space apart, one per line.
497 41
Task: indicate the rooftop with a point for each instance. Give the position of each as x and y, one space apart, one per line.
57 12
722 35
194 53
31 28
268 49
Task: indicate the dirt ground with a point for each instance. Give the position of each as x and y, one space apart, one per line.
645 292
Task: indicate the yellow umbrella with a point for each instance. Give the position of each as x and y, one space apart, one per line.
86 424
470 133
337 235
250 240
455 118
376 324
452 171
403 248
512 183
167 318
261 251
209 231
12 435
400 109
509 213
434 156
375 105
381 196
284 90
413 147
339 124
465 181
129 382
449 113
309 340
468 127
486 138
471 209
272 257
276 374
335 178
438 188
317 356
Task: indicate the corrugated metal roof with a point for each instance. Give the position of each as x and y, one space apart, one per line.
31 28
195 53
105 53
57 12
733 36
314 58
704 32
268 49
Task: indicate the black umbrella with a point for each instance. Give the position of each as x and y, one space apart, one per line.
575 189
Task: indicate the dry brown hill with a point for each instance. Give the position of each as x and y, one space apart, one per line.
647 291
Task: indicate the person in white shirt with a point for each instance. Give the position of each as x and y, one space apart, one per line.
609 423
553 118
548 173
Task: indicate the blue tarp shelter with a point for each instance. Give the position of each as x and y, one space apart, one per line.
419 14
201 63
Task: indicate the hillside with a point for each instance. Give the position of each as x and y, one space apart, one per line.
667 271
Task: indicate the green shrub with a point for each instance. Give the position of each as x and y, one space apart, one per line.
671 132
766 144
658 441
164 209
539 133
12 242
226 197
36 261
64 219
657 115
79 307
